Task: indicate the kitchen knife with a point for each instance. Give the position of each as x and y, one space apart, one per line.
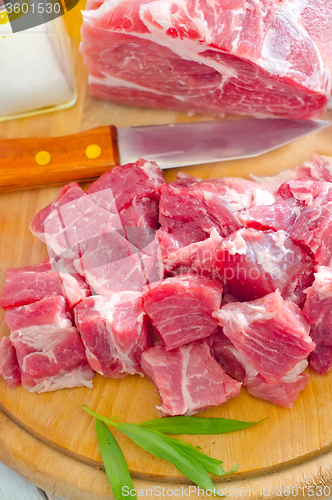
38 162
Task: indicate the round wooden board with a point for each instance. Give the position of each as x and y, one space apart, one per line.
51 440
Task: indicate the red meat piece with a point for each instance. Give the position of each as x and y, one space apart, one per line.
318 312
197 259
188 378
318 168
180 308
254 263
49 350
25 285
115 331
189 211
271 334
67 194
128 184
9 367
284 393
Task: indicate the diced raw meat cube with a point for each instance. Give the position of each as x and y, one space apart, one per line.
255 263
287 390
197 259
254 57
9 368
52 360
68 194
318 168
49 350
180 308
312 229
69 228
189 213
271 334
128 183
111 264
318 312
142 213
51 314
115 331
279 216
25 285
188 378
284 393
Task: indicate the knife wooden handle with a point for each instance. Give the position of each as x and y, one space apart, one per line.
39 162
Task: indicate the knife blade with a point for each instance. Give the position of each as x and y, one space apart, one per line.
38 162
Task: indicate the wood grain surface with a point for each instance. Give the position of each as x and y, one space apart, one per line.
46 436
67 159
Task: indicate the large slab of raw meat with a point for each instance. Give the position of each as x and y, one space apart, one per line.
188 378
258 57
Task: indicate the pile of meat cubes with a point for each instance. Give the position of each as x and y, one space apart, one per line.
202 286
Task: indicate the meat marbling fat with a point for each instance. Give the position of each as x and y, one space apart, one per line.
257 57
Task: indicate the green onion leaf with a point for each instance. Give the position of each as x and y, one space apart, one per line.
160 445
115 464
212 465
195 425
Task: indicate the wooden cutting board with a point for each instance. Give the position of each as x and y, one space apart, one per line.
48 437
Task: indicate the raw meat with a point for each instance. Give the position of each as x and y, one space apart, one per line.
312 229
70 227
111 264
180 308
74 286
51 313
128 183
49 350
67 194
25 285
115 331
189 211
254 263
188 378
318 312
279 216
271 334
106 236
317 168
257 57
141 213
196 259
9 368
284 393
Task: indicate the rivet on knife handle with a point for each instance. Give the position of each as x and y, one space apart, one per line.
39 162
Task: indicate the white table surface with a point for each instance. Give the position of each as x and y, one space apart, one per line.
15 487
